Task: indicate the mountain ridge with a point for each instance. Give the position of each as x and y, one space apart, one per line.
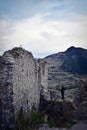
74 60
67 68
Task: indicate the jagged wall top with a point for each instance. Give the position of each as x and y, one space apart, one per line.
16 52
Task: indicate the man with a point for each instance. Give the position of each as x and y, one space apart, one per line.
62 92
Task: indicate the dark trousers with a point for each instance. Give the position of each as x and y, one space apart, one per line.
62 94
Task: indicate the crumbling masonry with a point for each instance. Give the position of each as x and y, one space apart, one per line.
21 78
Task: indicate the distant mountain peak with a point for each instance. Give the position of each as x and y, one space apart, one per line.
72 48
75 50
73 60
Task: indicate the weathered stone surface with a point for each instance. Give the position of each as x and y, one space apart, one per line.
21 78
67 69
58 112
79 126
6 95
81 101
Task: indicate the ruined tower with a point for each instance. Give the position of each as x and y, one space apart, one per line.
21 78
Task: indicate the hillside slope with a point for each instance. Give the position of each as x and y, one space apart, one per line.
67 68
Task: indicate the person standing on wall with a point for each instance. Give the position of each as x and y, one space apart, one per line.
62 92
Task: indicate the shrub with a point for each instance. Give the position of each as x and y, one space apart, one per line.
29 121
68 124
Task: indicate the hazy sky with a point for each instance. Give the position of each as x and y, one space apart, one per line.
43 26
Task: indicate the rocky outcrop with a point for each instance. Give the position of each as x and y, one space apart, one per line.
67 69
58 112
43 75
75 61
6 94
21 78
81 101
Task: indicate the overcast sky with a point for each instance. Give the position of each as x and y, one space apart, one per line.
43 27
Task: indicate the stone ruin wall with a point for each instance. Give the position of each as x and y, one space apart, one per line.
6 94
81 101
43 74
21 78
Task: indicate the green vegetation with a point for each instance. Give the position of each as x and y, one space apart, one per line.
70 123
33 119
71 92
51 123
29 121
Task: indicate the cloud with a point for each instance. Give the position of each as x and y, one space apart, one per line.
38 35
43 26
